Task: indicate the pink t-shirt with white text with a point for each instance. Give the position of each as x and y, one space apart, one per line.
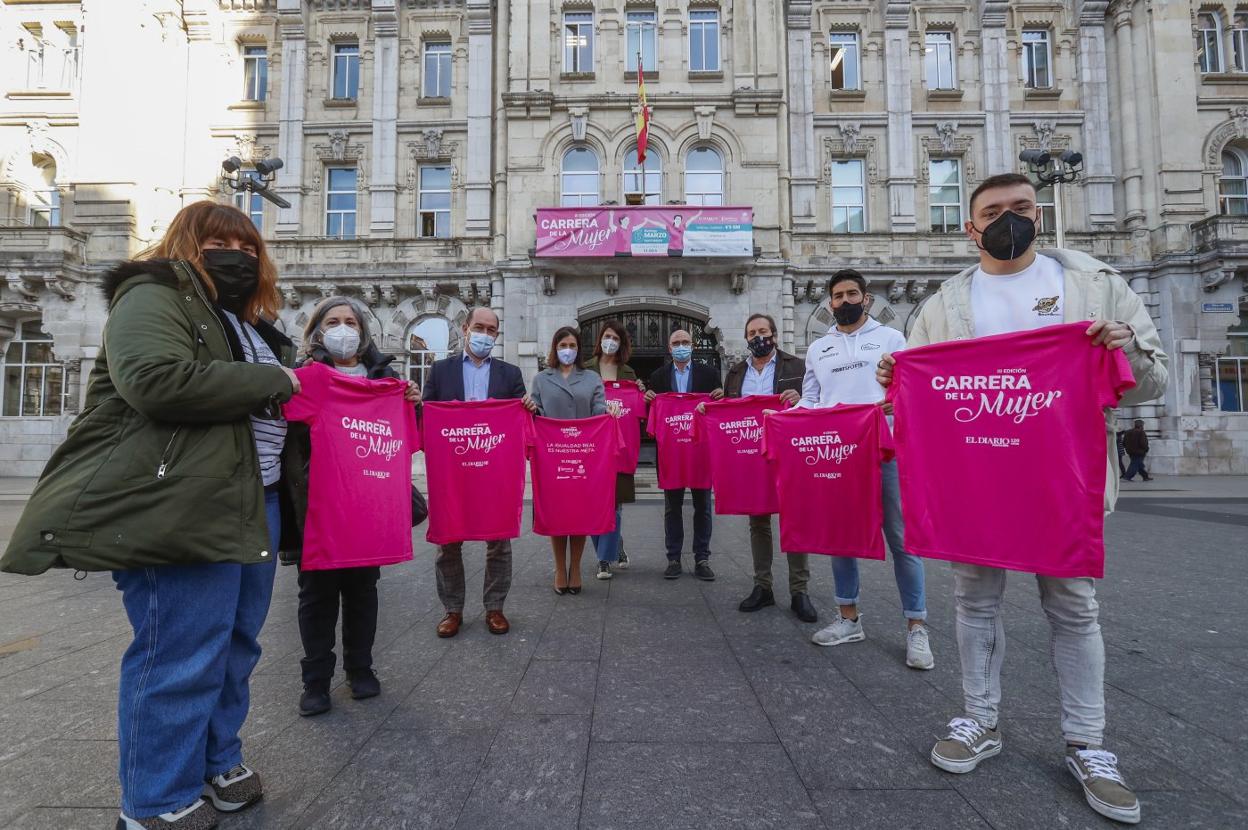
683 462
632 417
360 473
732 430
826 467
1001 448
573 464
474 457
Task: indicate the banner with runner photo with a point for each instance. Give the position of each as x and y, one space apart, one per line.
643 230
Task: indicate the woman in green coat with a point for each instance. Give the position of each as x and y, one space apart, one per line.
170 479
610 360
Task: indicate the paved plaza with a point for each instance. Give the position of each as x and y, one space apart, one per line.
643 703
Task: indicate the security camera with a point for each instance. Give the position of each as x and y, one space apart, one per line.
1071 159
267 167
232 165
1036 158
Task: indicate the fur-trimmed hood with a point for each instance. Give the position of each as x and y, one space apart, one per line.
160 270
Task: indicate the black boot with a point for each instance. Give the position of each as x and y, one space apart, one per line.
803 608
758 599
315 700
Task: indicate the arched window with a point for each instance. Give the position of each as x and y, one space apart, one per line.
428 339
1209 42
1233 185
704 177
643 183
579 178
33 383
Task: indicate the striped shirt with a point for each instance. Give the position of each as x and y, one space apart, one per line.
270 435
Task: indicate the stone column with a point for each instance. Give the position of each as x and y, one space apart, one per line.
478 163
291 108
385 155
996 81
901 180
802 157
1098 180
1126 104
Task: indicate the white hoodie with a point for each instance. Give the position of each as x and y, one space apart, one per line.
840 368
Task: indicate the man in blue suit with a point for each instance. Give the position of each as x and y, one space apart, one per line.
682 374
475 375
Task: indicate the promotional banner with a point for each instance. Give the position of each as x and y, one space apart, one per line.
573 465
1002 441
475 453
644 230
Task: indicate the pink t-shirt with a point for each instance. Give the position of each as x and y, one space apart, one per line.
474 458
632 417
360 474
1001 448
826 466
683 462
732 430
573 464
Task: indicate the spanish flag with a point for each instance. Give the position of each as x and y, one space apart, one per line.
643 113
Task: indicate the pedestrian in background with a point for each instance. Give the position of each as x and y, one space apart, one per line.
1135 443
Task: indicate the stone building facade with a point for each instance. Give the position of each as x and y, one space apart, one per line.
419 137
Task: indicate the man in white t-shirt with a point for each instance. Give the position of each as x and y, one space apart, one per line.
1015 288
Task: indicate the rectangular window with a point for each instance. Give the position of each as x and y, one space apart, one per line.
578 42
843 54
437 70
1239 42
435 202
33 383
251 203
340 202
1048 210
641 35
1231 381
849 204
704 40
1037 60
945 195
938 61
45 208
346 71
255 72
1209 42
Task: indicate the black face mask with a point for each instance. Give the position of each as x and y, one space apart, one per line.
761 346
1008 236
847 314
235 275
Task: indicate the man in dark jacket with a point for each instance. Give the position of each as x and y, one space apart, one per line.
682 374
474 375
1135 442
769 371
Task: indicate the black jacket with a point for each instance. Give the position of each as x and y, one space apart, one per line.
1135 442
705 379
446 380
789 373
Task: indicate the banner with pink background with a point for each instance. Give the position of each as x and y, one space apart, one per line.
644 230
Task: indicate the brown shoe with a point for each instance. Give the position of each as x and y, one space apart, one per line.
496 622
449 626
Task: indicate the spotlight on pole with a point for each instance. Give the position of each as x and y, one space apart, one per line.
259 184
1054 171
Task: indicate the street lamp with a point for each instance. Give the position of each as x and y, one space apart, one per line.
1056 171
266 172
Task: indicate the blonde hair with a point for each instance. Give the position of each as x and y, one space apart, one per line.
200 221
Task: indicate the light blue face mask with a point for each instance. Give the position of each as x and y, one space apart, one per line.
566 356
480 344
681 354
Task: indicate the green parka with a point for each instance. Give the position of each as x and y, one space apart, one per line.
160 467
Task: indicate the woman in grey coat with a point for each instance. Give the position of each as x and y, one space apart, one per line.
566 390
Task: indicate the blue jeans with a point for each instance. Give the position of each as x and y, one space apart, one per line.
907 569
607 545
1135 467
184 693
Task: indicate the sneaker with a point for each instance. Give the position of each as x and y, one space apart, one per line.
702 570
196 816
673 569
314 701
235 790
840 631
364 684
965 746
604 570
919 649
1103 787
622 564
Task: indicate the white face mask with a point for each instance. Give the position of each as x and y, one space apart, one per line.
566 356
341 341
610 346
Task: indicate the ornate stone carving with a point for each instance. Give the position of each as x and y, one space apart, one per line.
917 290
578 117
675 282
850 131
292 296
948 134
947 143
611 283
706 118
63 288
368 293
896 291
740 282
1206 363
851 145
389 296
18 286
339 147
548 284
1211 281
1044 133
432 146
1235 127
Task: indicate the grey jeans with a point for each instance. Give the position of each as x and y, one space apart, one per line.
450 565
1075 647
761 550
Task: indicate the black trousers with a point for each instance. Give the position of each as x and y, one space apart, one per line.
319 593
674 523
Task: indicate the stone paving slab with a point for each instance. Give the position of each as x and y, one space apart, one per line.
656 704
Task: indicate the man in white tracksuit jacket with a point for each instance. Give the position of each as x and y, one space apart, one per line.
840 368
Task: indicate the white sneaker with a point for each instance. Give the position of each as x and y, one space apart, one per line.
622 564
840 631
604 570
919 649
